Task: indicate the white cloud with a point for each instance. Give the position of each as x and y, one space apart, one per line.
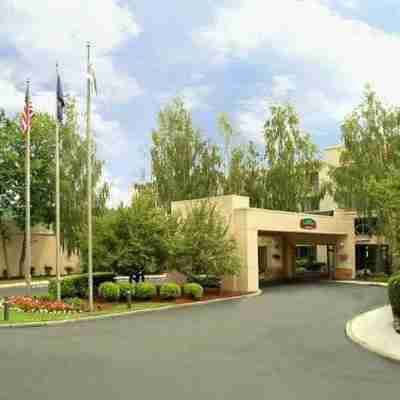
194 96
110 136
119 191
43 32
251 117
336 55
282 86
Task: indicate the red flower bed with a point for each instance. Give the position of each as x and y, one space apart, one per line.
29 304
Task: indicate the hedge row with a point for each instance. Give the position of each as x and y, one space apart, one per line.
103 285
78 286
111 291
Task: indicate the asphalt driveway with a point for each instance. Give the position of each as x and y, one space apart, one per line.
287 344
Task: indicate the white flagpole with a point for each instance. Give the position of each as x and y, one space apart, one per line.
89 182
28 207
58 256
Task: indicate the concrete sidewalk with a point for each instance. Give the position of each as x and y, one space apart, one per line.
374 331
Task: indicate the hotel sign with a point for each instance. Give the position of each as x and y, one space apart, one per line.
308 223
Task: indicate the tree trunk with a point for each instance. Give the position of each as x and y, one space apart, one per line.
5 252
22 258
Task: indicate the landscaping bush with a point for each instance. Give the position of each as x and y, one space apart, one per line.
48 270
145 290
75 302
194 290
315 266
203 245
109 291
169 291
125 288
68 288
300 270
209 281
394 293
81 282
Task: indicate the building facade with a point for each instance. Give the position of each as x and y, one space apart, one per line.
43 255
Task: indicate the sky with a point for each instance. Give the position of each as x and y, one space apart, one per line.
232 56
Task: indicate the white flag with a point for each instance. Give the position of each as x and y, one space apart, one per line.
92 77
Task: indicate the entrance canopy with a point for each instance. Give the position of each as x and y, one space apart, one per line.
247 224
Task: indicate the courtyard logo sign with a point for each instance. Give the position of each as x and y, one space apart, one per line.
308 223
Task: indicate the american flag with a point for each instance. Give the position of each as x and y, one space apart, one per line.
27 114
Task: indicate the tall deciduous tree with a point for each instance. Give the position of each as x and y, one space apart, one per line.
73 176
228 133
184 164
292 163
73 181
386 193
371 137
368 165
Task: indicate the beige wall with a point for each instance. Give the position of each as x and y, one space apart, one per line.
247 223
43 254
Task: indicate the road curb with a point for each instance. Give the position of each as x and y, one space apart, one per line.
23 284
125 314
361 283
364 344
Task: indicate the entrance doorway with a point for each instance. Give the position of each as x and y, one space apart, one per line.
315 261
372 257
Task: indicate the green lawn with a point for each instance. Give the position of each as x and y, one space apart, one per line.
23 317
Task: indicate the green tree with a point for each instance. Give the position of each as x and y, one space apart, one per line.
292 163
368 163
130 239
247 174
386 193
73 176
184 164
73 181
228 133
371 150
203 245
42 174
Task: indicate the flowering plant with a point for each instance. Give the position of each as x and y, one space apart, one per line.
30 304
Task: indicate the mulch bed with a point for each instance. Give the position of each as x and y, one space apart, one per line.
209 294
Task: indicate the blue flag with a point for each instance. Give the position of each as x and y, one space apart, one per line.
60 100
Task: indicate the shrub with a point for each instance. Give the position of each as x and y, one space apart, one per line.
145 290
125 288
81 282
193 290
109 291
300 270
169 291
203 244
209 282
68 288
394 293
75 302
